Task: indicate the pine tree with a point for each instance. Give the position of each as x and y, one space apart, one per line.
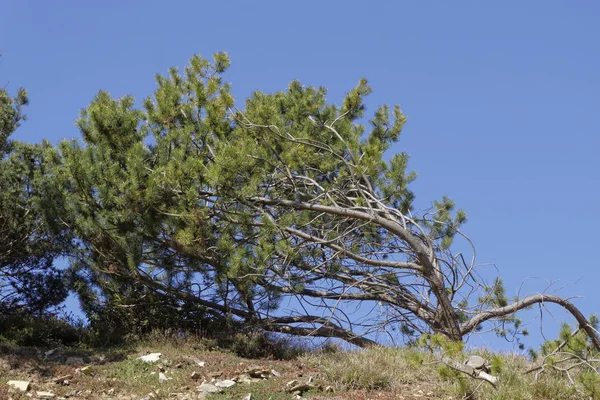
30 238
234 210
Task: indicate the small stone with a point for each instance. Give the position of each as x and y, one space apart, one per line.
208 388
225 384
50 352
162 378
477 362
248 397
291 383
275 373
85 370
110 392
198 362
23 386
301 388
45 395
179 365
245 378
329 389
150 358
195 375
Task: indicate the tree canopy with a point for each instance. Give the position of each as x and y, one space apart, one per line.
30 240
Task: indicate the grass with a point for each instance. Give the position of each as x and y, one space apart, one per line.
374 373
398 369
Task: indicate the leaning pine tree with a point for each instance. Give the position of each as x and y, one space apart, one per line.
290 197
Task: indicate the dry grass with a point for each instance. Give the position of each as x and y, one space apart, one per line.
403 370
375 373
373 369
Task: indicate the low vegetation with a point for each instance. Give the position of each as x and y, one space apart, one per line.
411 372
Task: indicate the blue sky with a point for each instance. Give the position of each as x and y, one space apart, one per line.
502 97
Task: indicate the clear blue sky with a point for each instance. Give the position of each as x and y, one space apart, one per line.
502 97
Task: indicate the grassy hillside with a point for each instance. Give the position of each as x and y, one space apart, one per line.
186 363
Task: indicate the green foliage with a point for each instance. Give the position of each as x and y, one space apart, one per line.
573 353
21 328
190 211
30 233
440 344
11 116
442 224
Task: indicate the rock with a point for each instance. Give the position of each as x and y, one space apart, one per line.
110 392
258 372
74 361
208 388
198 362
85 370
275 373
301 388
50 352
329 389
195 375
248 397
162 378
23 386
478 363
150 358
45 395
225 384
291 383
245 378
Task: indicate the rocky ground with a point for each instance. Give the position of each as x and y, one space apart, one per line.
176 372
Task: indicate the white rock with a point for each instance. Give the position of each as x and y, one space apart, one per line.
162 378
23 386
478 362
50 352
150 358
225 384
275 373
248 397
208 388
45 395
198 362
